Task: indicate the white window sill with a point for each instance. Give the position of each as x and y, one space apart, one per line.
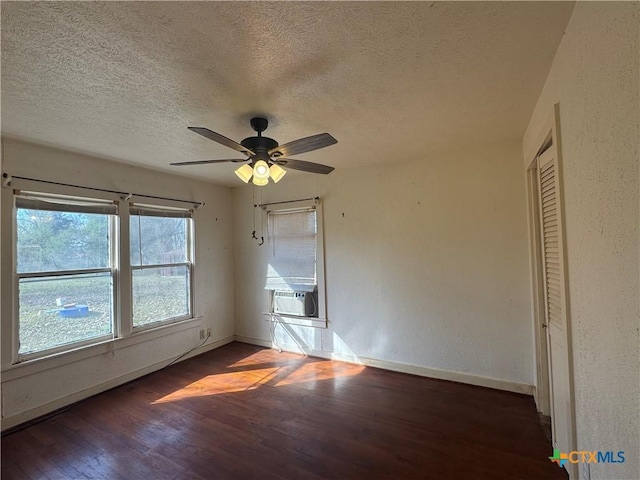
295 320
40 364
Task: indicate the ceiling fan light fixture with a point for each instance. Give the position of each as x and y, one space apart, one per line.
276 173
260 182
244 173
261 171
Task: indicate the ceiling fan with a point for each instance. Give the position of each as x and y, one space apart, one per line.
266 157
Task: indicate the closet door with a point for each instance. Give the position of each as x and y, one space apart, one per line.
552 250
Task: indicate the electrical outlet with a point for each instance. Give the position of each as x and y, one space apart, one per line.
208 332
202 334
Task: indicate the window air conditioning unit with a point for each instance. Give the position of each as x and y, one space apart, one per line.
302 304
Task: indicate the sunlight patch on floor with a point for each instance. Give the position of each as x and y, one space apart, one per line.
258 358
222 383
327 370
245 380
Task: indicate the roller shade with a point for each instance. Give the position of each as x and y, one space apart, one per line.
291 240
66 204
150 211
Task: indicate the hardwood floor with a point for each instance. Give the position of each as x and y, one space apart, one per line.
244 412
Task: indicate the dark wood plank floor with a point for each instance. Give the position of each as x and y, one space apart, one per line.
243 412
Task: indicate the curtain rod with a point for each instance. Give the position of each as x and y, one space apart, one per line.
6 180
262 205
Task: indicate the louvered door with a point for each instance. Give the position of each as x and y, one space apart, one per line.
552 252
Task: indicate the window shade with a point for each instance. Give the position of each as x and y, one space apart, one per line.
66 204
148 211
292 251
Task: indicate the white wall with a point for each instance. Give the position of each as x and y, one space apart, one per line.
594 78
426 265
31 390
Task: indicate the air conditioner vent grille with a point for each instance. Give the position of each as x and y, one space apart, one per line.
303 304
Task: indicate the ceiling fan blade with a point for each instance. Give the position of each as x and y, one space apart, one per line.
302 145
221 139
201 162
303 166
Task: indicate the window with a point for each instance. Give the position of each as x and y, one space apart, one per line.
68 271
295 269
160 251
292 251
64 270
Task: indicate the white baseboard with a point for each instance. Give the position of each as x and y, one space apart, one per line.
429 372
207 347
27 415
253 341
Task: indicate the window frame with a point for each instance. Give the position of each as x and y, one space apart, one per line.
190 249
321 321
113 218
120 268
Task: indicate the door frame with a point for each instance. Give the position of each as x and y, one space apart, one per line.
548 139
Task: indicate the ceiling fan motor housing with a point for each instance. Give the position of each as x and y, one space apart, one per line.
260 145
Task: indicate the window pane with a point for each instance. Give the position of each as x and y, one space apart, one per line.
59 310
164 240
50 241
159 294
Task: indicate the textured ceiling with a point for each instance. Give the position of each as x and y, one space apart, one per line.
391 81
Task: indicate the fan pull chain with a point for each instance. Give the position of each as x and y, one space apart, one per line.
253 234
261 221
255 206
